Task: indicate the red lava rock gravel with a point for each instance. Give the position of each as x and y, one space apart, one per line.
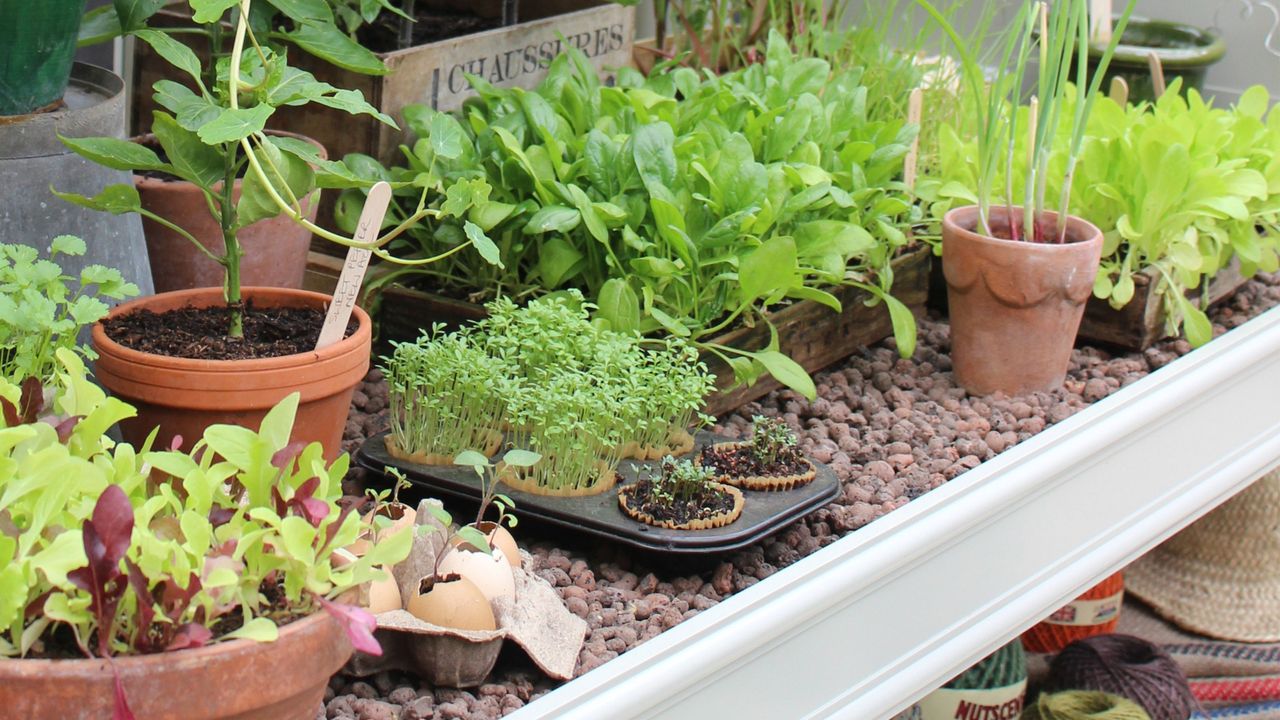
891 429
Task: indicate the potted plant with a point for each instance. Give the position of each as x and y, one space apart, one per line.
1018 275
151 588
681 496
770 460
1184 51
35 62
189 359
1182 191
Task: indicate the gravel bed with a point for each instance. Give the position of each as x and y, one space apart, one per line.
891 429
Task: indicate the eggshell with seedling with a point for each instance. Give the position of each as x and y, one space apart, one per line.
499 539
402 518
490 573
454 603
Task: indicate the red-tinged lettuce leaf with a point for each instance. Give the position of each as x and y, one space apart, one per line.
359 624
107 536
66 427
32 402
287 454
189 636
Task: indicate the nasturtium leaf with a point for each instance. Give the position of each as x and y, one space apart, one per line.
487 249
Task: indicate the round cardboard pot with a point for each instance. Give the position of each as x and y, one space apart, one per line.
1015 306
236 680
275 249
1185 52
184 396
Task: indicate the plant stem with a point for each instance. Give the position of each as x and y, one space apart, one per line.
231 260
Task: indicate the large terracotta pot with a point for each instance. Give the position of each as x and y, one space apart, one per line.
275 249
1015 306
236 680
184 396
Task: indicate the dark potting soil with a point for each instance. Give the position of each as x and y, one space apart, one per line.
708 503
383 35
201 333
740 462
890 429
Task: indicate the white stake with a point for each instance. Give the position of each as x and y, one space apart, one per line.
352 277
1100 20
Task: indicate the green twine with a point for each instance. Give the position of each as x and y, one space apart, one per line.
1004 667
1083 705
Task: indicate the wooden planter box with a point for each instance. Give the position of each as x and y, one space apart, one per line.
1135 327
1140 324
432 74
811 334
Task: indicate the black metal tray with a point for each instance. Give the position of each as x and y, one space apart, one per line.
599 516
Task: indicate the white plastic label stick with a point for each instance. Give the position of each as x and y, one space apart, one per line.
352 277
1100 15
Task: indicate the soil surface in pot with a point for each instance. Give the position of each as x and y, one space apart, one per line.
740 462
200 333
710 502
891 429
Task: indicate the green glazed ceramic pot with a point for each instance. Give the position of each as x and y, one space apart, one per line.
36 55
1185 51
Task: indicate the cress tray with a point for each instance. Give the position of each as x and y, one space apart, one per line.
599 516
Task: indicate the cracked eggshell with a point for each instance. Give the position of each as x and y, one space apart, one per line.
491 573
454 603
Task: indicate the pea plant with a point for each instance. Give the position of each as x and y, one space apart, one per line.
680 205
42 309
557 384
1179 187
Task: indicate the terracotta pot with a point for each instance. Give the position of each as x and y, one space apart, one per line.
275 249
236 680
1015 306
184 396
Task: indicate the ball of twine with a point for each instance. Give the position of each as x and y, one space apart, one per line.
1083 705
1126 666
1002 668
1047 637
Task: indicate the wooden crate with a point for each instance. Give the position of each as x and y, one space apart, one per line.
811 334
1140 324
432 74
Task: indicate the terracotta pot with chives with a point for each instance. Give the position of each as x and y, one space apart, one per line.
1018 274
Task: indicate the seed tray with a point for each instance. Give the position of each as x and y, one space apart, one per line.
599 516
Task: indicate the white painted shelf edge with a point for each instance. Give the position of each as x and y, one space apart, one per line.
871 623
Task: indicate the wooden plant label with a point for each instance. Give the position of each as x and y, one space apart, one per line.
1157 74
915 111
352 277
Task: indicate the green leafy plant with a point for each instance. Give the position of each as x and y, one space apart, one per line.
770 438
42 309
1180 189
680 481
325 29
213 129
1058 35
489 495
574 392
235 542
681 205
